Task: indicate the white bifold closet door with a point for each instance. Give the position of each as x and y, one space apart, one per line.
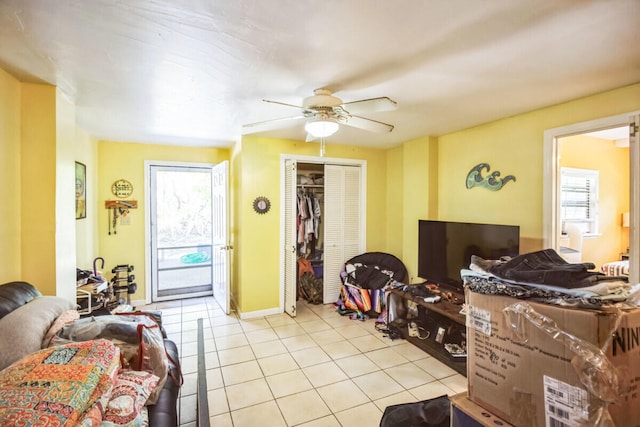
344 227
343 223
290 238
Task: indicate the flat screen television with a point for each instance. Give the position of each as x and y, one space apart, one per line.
444 248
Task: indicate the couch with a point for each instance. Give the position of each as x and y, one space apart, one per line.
27 319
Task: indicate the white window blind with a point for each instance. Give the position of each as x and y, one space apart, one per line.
579 198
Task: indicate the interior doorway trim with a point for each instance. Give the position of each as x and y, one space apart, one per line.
323 161
551 173
147 214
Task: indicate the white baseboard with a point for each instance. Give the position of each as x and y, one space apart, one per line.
243 316
258 313
252 314
138 302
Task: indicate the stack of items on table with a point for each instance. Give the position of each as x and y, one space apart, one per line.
552 343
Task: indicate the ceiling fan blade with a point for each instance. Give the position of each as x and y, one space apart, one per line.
368 124
274 124
310 138
283 103
372 105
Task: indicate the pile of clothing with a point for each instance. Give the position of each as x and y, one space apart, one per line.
545 276
364 280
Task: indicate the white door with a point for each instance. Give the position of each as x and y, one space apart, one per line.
634 187
180 225
220 235
289 240
344 223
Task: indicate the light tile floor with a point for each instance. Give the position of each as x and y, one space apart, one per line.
317 369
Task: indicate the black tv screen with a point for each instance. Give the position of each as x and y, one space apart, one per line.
444 248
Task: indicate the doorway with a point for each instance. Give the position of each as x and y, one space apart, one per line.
186 230
594 196
552 220
343 222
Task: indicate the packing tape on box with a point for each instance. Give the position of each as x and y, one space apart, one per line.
596 372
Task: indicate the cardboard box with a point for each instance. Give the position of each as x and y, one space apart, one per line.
465 413
533 383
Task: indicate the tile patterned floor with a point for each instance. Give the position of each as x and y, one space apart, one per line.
318 369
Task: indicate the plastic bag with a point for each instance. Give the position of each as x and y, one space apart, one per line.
137 335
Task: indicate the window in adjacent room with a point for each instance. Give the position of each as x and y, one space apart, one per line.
579 199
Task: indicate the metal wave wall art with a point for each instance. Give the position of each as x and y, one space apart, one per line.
491 182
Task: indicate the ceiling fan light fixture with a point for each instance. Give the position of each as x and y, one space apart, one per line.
321 128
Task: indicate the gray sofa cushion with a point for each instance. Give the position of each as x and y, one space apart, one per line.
22 330
15 294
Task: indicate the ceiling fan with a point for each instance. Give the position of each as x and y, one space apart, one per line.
323 113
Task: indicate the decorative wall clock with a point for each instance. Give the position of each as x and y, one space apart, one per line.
121 188
261 205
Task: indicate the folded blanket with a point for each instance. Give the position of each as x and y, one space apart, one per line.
58 385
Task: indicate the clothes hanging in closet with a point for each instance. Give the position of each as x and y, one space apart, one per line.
308 214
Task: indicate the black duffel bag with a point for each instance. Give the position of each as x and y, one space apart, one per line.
426 413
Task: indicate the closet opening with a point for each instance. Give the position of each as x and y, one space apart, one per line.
309 232
323 224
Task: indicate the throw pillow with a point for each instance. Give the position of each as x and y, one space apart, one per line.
128 397
26 326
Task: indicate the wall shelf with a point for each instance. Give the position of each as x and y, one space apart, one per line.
122 204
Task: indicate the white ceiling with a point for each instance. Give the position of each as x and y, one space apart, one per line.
612 134
194 71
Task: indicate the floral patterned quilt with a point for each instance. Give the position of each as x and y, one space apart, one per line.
58 385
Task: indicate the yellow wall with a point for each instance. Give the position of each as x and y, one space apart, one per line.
257 246
420 195
395 200
47 129
64 166
38 186
514 146
86 152
126 161
38 145
10 237
412 195
586 152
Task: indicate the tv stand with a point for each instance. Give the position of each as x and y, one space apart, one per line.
441 324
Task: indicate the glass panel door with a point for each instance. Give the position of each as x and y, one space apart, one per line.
181 232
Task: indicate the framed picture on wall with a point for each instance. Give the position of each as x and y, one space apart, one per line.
81 191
